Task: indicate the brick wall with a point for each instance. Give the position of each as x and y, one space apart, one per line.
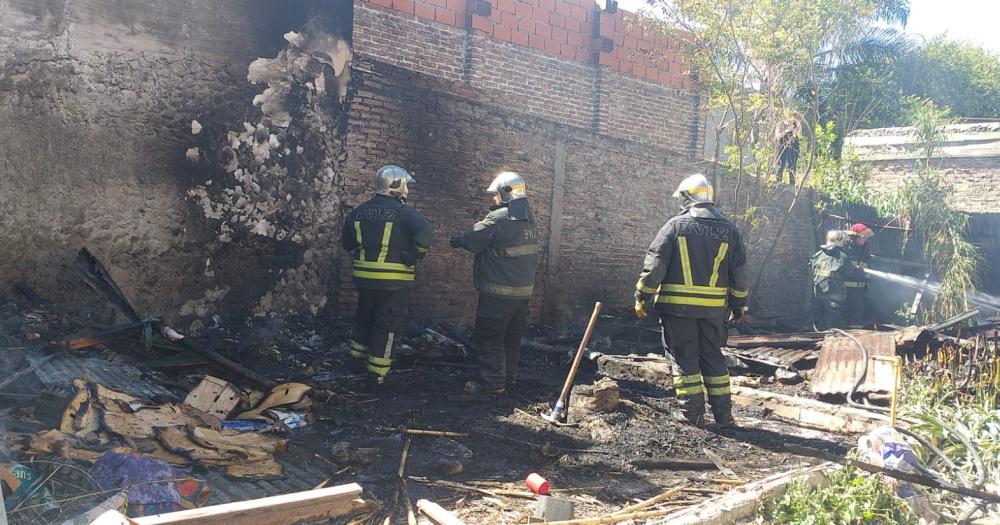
543 56
616 195
976 180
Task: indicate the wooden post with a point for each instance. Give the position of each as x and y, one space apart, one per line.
550 300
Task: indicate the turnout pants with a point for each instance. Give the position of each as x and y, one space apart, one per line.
828 313
376 327
500 323
700 367
857 306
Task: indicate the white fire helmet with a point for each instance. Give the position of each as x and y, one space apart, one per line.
695 188
393 181
509 185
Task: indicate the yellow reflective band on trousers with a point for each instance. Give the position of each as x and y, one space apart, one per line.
719 390
421 249
689 385
718 385
386 235
691 301
504 290
682 245
739 294
717 380
357 237
723 248
358 350
379 365
692 390
516 251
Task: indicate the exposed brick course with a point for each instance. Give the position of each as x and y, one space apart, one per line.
616 195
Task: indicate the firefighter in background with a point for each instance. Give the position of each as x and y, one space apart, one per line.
387 238
857 288
696 271
832 268
506 246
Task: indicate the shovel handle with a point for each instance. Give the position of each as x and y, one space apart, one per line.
579 356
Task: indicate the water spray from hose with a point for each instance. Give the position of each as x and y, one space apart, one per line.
979 299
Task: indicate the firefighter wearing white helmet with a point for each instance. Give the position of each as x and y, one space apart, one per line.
386 239
695 273
506 246
832 268
393 181
695 189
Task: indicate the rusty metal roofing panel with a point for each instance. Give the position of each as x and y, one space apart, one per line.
841 362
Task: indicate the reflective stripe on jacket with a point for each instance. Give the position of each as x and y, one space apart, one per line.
696 265
831 269
386 239
506 251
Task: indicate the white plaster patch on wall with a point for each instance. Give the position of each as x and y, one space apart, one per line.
201 307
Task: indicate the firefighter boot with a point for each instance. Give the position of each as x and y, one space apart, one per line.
693 408
722 409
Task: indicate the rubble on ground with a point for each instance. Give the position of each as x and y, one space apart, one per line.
107 389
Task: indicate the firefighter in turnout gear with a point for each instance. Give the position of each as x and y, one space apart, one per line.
506 246
857 288
387 238
696 275
832 268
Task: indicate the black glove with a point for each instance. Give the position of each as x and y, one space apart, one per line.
456 241
736 316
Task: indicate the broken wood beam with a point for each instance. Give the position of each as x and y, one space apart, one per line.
258 380
740 503
79 343
669 493
918 479
614 518
810 413
672 464
286 509
418 432
437 513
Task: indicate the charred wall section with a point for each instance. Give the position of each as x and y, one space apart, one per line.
97 99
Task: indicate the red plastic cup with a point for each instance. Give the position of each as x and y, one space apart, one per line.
537 484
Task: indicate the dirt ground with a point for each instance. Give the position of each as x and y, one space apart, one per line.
507 439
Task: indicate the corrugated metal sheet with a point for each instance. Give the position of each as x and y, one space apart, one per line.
60 373
779 357
804 340
841 362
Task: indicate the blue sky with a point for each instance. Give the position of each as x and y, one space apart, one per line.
975 21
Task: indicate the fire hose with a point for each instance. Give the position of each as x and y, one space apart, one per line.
973 453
